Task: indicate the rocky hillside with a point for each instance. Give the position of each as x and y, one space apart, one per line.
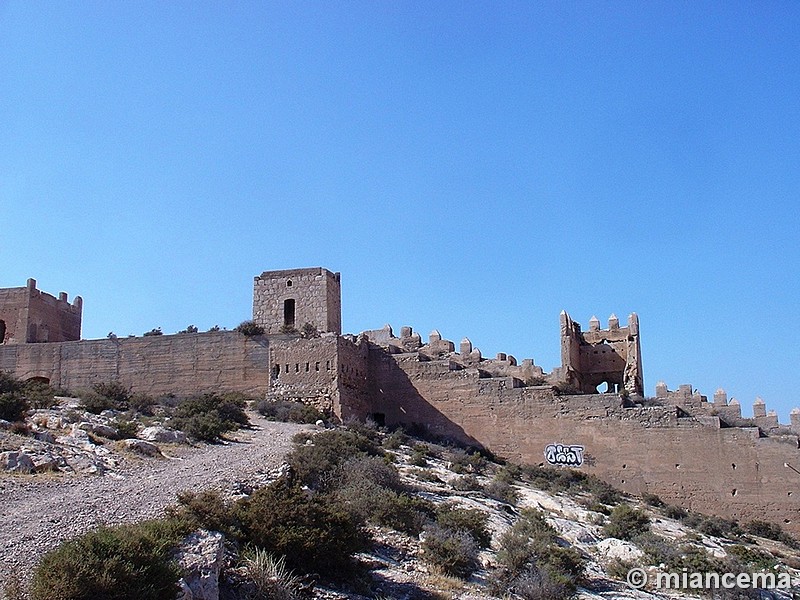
389 516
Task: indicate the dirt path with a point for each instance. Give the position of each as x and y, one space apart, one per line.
38 512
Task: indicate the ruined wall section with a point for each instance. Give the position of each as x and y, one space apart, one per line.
304 370
288 299
328 372
353 378
688 460
28 315
181 364
597 356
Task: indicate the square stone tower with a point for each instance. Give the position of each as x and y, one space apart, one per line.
286 300
28 315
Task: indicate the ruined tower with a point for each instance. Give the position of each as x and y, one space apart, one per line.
28 315
287 300
611 356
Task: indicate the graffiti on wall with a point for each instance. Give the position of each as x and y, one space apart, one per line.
565 456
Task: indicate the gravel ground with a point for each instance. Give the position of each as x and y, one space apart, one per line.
38 512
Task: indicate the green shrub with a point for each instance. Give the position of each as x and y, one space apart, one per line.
371 490
454 552
125 428
755 560
473 521
309 331
206 427
117 393
130 562
315 464
154 331
467 483
249 328
142 403
771 531
394 440
535 565
288 412
39 394
519 545
462 461
652 500
540 584
315 534
207 510
502 491
418 459
675 512
16 397
720 527
9 383
209 416
508 473
13 406
657 549
625 522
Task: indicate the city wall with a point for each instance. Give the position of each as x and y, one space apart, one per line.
690 461
182 364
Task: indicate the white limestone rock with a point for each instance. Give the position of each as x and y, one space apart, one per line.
142 447
16 461
201 557
163 435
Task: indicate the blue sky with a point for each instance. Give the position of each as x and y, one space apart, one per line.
471 167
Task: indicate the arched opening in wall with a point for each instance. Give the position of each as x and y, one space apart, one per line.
379 418
288 312
2 331
42 380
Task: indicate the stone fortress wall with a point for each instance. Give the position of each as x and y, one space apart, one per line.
698 454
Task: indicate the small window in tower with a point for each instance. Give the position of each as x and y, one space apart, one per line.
289 283
288 312
2 331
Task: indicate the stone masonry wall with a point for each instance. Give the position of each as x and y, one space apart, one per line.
315 292
182 364
687 461
305 370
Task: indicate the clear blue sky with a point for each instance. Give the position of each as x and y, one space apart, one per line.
468 166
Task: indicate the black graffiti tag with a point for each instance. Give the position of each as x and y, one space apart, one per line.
559 454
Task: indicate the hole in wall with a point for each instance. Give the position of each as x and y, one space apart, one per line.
789 494
733 465
289 283
2 331
734 491
624 466
677 466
